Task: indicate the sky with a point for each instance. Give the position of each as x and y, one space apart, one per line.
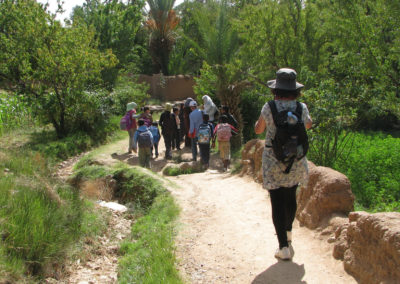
69 4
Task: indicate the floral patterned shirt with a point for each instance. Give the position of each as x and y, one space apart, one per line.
273 170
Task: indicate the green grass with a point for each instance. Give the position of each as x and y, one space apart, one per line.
373 167
176 171
45 141
148 257
40 219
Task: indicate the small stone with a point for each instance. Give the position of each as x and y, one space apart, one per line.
331 240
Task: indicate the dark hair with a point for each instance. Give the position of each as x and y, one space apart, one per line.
141 122
146 108
175 109
154 123
279 93
225 108
206 117
223 119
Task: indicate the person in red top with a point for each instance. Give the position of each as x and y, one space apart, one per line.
131 109
223 132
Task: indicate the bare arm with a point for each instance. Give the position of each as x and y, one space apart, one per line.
309 124
260 125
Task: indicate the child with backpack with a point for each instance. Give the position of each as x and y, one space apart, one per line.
204 137
223 131
144 139
156 138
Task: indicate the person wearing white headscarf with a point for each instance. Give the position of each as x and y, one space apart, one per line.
209 107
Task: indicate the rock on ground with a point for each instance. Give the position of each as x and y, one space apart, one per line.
369 245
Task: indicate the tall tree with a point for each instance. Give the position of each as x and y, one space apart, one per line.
116 24
52 65
161 24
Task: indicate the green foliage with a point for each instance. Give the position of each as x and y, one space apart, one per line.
333 114
126 91
15 112
60 149
149 256
53 66
373 167
116 25
39 219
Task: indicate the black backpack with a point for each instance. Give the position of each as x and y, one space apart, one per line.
291 140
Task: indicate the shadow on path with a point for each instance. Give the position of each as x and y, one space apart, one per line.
286 272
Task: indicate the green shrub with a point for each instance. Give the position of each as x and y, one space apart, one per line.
373 167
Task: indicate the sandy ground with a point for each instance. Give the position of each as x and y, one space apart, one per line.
226 233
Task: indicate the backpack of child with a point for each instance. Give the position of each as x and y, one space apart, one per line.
224 132
155 132
125 122
144 139
204 134
291 140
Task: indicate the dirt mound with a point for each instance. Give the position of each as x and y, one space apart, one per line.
370 246
328 192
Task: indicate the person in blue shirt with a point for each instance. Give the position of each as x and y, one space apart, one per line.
156 137
144 139
196 118
204 138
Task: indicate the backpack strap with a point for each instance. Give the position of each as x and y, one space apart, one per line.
299 109
274 110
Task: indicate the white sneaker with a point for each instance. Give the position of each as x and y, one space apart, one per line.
283 253
289 236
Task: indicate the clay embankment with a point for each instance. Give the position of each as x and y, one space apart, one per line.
368 244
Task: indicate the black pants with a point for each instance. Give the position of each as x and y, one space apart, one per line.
176 141
284 206
204 153
168 142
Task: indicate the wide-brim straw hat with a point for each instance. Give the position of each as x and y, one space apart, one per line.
285 80
168 106
131 106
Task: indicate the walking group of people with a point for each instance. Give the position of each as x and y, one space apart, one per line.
284 163
198 129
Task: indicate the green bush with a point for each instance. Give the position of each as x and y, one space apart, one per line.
373 167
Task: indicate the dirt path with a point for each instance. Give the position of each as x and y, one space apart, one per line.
227 236
226 233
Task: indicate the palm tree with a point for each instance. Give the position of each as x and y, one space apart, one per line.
217 44
161 23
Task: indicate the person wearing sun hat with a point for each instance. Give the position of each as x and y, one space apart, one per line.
131 109
280 184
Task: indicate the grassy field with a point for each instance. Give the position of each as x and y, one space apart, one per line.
373 167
